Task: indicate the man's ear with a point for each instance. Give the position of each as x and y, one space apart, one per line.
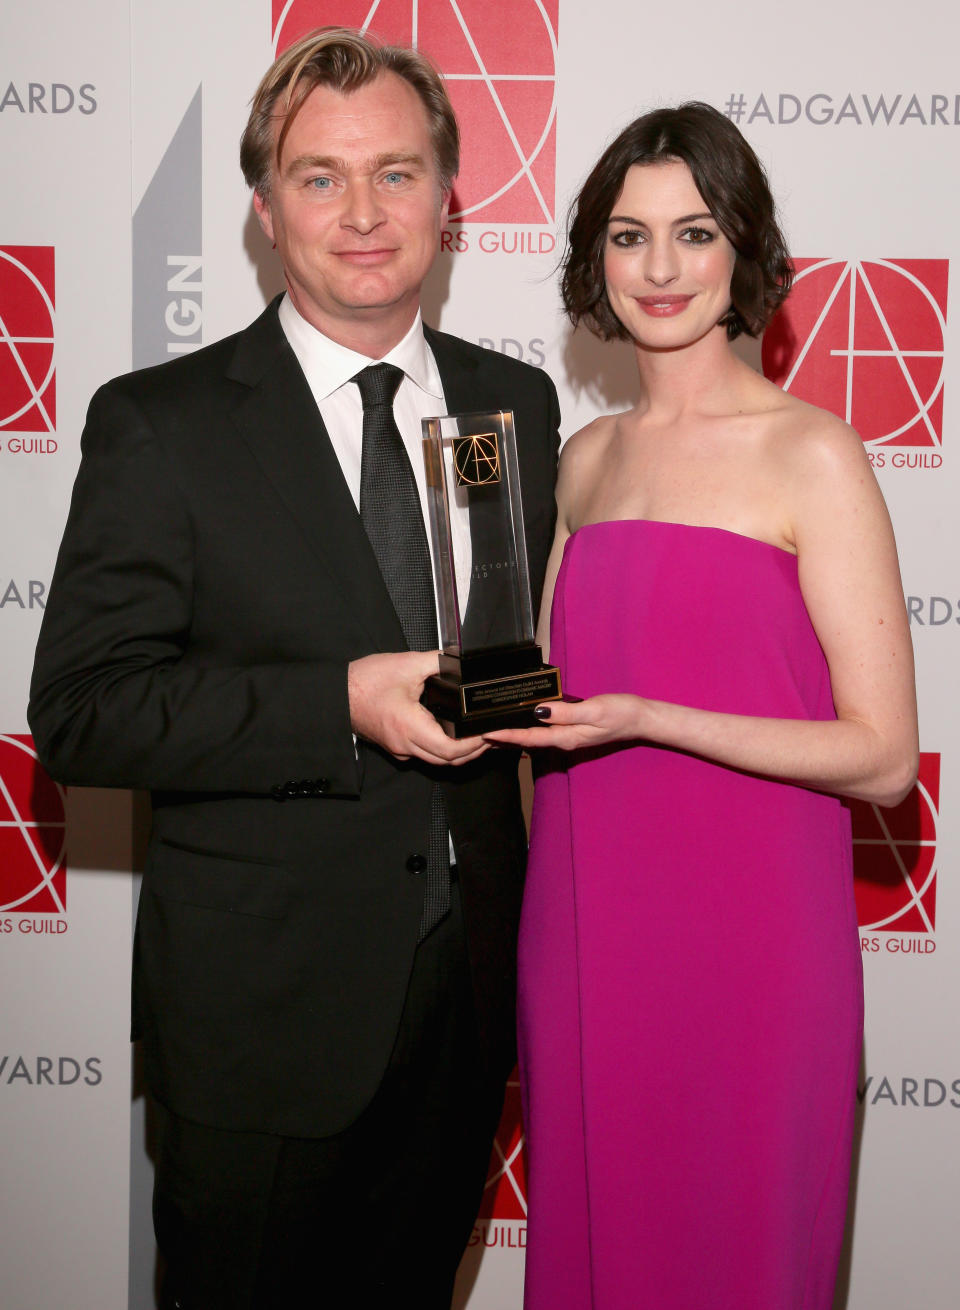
262 208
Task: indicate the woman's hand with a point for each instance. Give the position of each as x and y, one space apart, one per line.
578 725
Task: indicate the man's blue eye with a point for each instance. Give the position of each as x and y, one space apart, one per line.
321 183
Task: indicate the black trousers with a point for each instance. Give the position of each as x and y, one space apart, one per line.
375 1216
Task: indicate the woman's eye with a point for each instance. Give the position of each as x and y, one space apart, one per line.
697 236
629 237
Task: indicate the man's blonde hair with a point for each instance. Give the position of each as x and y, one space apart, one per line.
343 59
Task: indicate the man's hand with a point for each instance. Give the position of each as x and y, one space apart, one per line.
384 692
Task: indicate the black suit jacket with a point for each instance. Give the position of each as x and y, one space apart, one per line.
213 583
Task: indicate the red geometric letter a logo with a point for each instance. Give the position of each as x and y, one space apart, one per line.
33 870
865 339
499 63
505 1193
895 857
27 381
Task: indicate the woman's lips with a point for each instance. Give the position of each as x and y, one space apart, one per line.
663 306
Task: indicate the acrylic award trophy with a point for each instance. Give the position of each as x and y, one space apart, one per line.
491 669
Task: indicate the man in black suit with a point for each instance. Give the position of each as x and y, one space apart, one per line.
326 1004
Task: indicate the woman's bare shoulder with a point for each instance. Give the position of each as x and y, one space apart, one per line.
815 439
582 461
802 434
823 472
587 444
597 430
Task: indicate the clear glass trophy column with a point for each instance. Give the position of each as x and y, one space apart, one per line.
491 669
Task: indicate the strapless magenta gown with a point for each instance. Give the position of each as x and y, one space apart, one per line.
691 996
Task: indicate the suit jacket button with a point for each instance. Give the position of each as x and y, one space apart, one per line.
277 792
322 785
416 863
292 789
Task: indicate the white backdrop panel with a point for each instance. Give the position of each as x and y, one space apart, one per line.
804 86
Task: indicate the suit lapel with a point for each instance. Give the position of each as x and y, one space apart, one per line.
458 372
279 421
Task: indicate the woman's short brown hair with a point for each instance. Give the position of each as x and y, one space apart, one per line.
344 59
732 182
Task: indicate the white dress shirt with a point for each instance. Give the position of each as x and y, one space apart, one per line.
329 367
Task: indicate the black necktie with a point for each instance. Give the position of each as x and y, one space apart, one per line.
393 519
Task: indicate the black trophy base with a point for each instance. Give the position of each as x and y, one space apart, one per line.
476 693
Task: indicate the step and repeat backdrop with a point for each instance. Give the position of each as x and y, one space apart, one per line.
127 237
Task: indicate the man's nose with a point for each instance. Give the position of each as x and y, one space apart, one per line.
362 209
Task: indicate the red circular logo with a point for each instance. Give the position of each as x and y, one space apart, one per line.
895 857
865 340
27 385
33 869
499 64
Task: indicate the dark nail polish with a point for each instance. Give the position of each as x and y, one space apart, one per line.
542 712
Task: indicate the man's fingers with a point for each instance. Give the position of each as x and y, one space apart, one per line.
466 756
431 741
424 662
521 737
447 761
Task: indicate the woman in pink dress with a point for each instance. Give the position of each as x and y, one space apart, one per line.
726 601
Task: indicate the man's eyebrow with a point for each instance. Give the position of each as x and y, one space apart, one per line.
327 162
332 164
398 157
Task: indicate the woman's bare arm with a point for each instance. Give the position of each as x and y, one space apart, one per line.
850 580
